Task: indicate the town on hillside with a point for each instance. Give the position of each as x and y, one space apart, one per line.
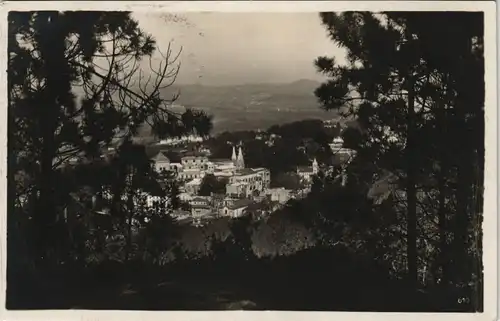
234 189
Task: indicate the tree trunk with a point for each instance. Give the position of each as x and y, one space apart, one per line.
52 50
411 190
442 219
442 223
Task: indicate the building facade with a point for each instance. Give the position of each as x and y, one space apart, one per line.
199 162
306 173
280 195
193 187
236 208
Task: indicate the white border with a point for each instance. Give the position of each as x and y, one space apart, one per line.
490 194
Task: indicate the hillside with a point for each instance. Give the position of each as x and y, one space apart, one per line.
252 106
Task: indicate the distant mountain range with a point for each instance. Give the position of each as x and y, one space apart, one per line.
252 106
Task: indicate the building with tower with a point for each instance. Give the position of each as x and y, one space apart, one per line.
307 172
240 161
233 157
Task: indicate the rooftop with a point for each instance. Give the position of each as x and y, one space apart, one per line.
238 184
200 206
244 171
225 166
222 173
199 199
161 157
171 154
195 181
240 203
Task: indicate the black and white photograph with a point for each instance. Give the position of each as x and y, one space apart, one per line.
215 160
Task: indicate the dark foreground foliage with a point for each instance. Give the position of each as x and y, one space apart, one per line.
316 279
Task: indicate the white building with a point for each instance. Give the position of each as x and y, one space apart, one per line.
190 174
200 210
222 167
237 189
306 173
199 162
222 174
227 167
190 167
193 187
210 167
254 180
242 182
161 161
337 147
265 174
200 206
175 167
236 208
228 201
200 200
280 195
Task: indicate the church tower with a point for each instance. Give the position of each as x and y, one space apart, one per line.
315 167
240 162
233 157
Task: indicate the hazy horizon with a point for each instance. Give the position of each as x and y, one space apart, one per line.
220 49
262 83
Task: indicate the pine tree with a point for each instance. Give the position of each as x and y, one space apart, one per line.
72 94
380 78
405 83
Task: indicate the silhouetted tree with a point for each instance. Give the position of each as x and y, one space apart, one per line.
409 99
72 95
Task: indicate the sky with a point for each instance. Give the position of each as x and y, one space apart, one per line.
239 48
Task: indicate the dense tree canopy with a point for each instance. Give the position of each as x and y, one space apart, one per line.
76 89
407 83
211 184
